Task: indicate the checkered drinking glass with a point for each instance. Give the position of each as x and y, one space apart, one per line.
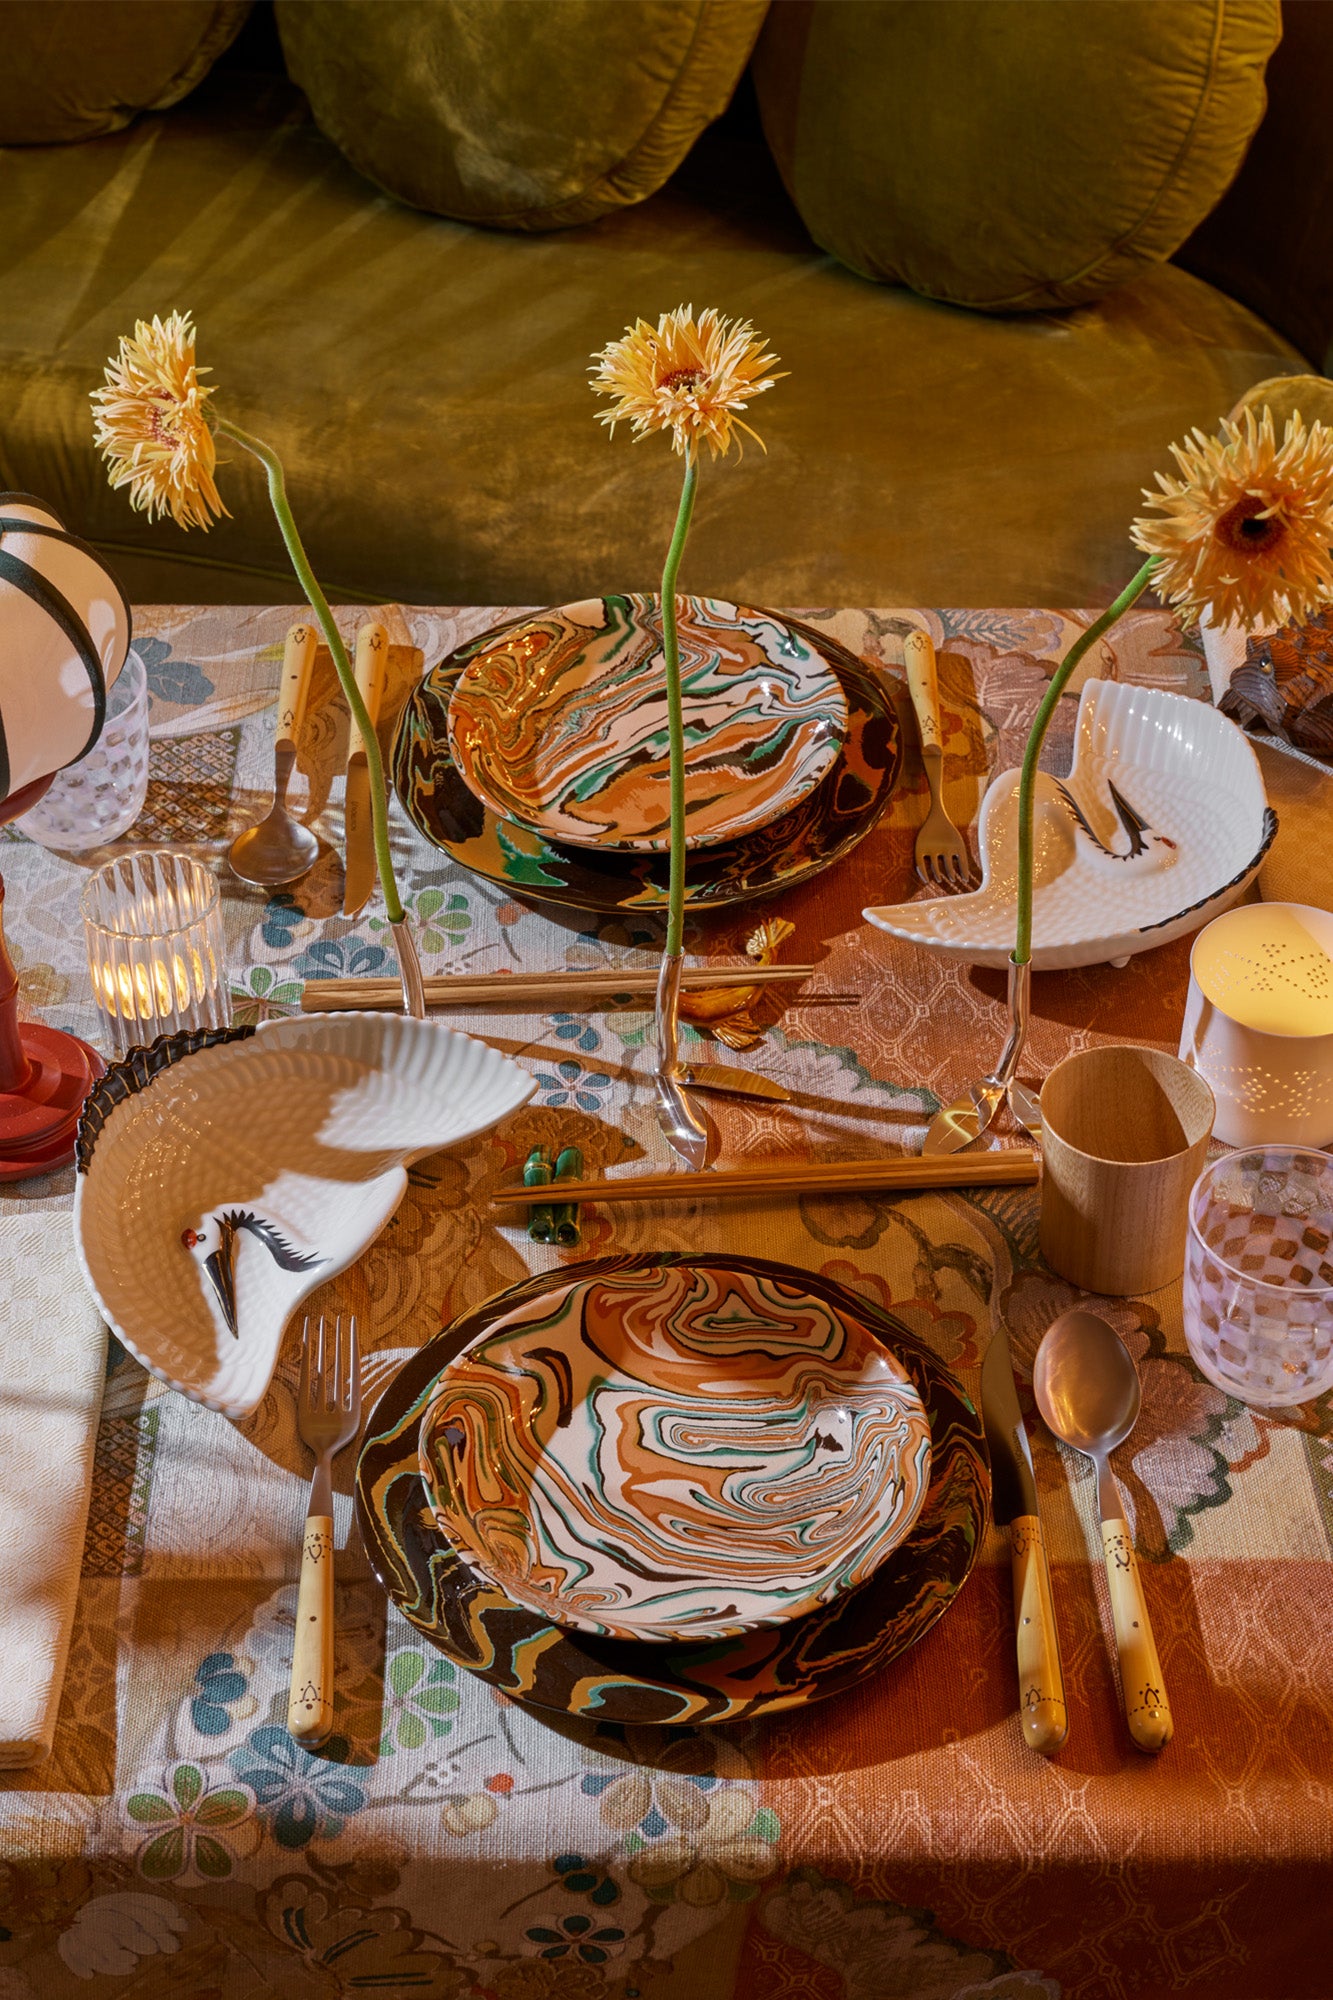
1259 1274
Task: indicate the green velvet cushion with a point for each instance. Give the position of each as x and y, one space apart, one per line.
426 383
70 69
1010 155
525 114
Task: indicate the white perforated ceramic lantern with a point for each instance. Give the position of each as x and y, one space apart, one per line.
64 634
1259 1023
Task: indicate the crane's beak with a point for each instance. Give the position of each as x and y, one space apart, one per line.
222 1275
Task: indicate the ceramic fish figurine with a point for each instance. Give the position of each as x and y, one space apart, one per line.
213 1244
727 1010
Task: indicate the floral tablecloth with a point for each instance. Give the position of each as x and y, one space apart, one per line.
900 1841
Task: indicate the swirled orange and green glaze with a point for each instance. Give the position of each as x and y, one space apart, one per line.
683 1452
561 1670
560 723
804 840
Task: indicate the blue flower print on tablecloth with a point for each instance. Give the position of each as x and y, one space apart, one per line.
576 1937
571 1084
298 1794
341 958
176 683
282 918
219 1684
585 1878
188 1827
219 1709
574 1029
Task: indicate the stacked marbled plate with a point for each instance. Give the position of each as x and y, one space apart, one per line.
538 753
673 1488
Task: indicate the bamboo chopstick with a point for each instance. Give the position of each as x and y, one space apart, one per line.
1013 1166
324 996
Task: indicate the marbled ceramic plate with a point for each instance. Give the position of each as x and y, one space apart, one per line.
828 822
682 1451
633 1680
559 723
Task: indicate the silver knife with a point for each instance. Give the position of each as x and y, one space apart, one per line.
1041 1688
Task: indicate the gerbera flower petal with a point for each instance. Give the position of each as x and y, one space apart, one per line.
686 377
1247 527
150 424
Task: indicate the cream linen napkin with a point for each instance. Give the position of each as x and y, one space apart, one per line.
52 1368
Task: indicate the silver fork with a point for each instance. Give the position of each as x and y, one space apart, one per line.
328 1413
941 852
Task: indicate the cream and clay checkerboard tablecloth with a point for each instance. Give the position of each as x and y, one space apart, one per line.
900 1841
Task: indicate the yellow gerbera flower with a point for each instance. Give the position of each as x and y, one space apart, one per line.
685 378
151 427
1248 525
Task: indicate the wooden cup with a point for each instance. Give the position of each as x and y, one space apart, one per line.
1124 1135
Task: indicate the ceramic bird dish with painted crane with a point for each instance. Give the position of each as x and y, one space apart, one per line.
1161 825
224 1175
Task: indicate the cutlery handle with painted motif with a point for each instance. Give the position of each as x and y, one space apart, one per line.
924 688
371 673
310 1703
1041 1687
1147 1710
298 660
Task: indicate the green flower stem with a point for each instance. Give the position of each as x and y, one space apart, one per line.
675 719
319 604
1027 783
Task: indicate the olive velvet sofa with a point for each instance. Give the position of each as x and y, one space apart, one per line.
403 226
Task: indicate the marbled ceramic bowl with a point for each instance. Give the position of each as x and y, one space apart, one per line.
559 723
687 1450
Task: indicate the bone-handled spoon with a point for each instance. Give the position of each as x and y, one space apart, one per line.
279 849
1087 1389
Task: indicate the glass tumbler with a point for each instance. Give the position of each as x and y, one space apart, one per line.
99 798
152 923
1258 1302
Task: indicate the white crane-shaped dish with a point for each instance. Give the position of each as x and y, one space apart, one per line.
1161 825
222 1177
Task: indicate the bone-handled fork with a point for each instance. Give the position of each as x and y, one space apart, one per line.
328 1414
941 852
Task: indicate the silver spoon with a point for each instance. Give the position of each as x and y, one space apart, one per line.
1087 1390
278 848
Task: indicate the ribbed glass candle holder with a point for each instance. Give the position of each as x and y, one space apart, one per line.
152 924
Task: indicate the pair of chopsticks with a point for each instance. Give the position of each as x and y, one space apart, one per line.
1014 1166
523 989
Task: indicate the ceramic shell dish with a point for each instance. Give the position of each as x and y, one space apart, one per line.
684 1451
561 1671
293 1140
560 722
66 633
1161 824
840 811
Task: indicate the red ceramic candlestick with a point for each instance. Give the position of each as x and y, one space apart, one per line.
45 1074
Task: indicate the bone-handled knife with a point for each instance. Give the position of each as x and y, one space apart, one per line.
372 674
1041 1688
